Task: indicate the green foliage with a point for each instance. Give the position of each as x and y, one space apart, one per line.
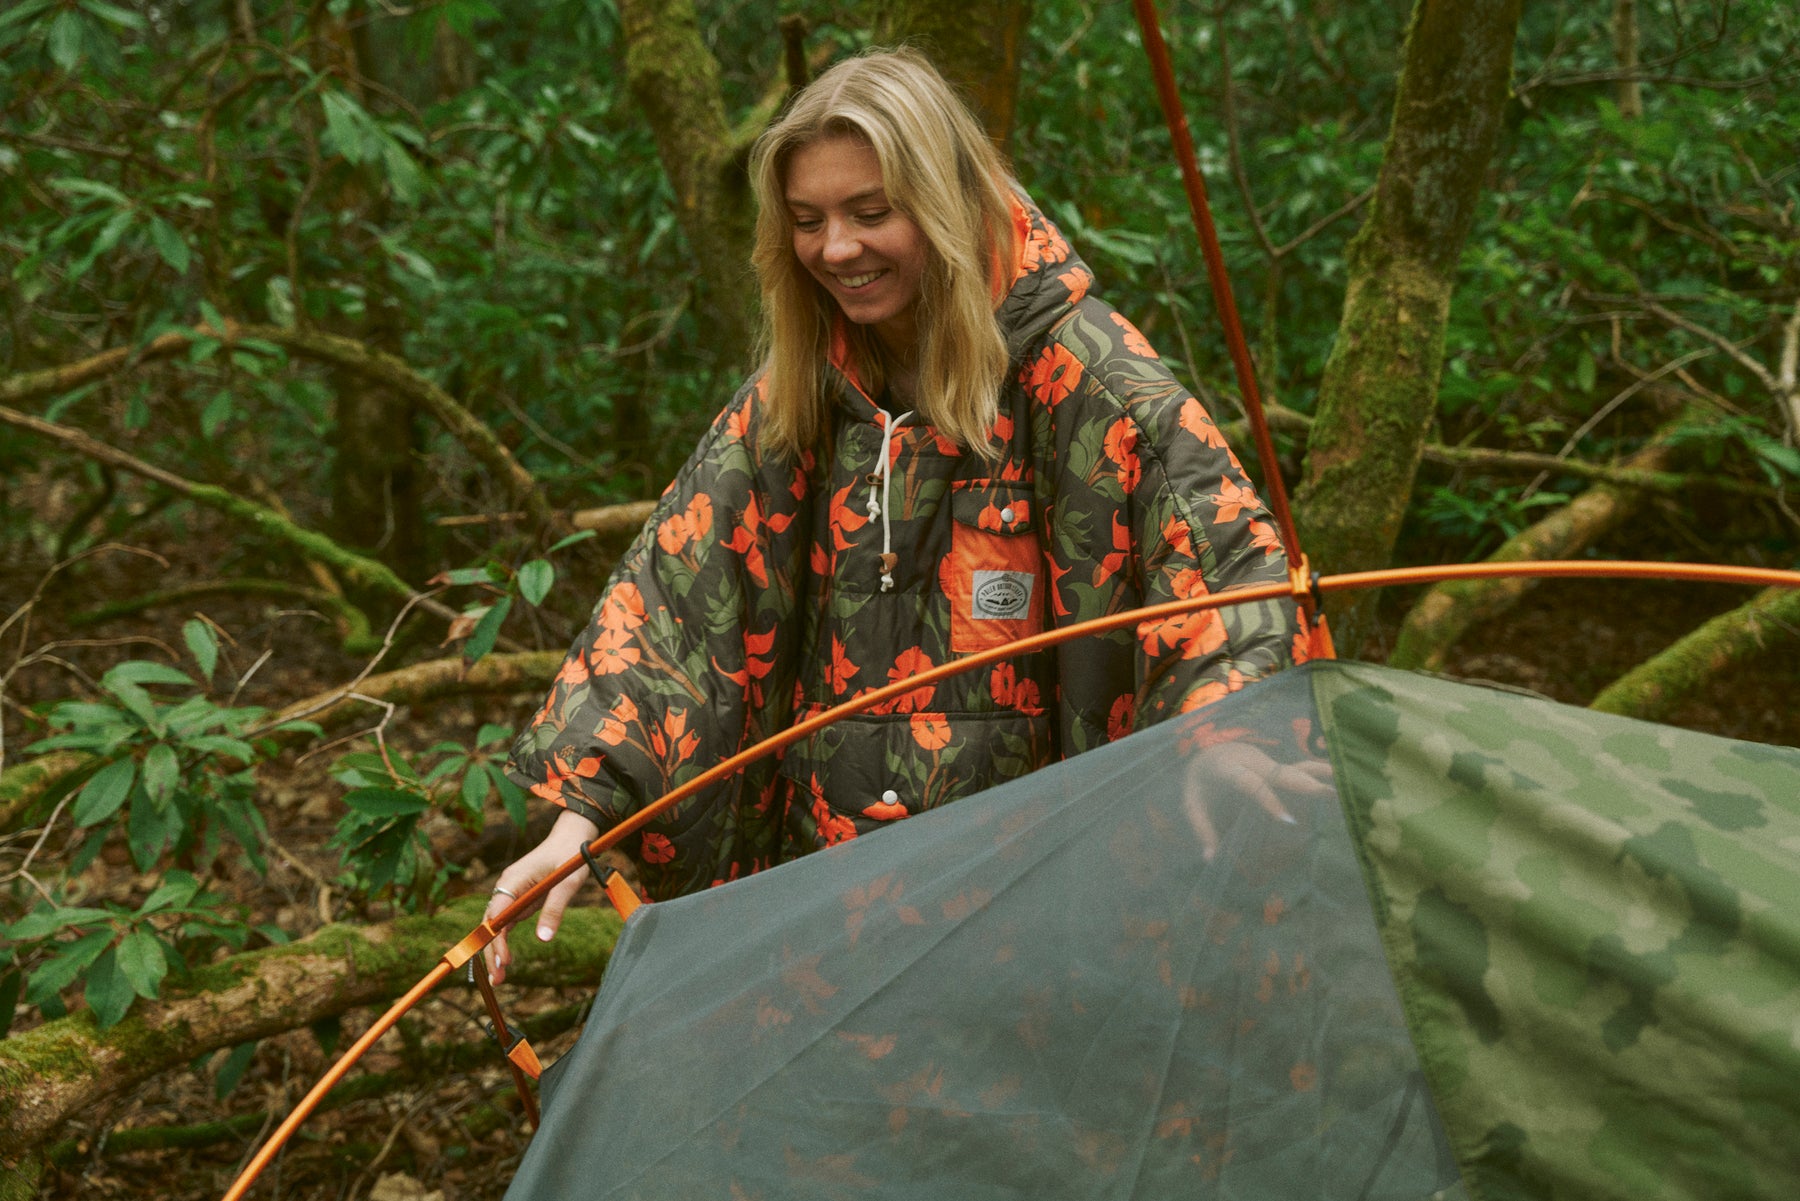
383 835
174 783
117 954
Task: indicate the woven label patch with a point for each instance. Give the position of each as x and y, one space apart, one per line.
1001 595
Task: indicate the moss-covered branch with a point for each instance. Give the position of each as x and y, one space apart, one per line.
68 1066
374 365
352 623
1769 624
358 569
1448 610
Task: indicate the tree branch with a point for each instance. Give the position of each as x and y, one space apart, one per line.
1654 688
68 1066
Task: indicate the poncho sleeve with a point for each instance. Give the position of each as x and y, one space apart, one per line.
685 661
1150 506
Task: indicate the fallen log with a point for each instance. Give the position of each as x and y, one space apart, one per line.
70 1066
1765 625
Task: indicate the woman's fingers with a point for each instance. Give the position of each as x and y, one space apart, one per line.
554 904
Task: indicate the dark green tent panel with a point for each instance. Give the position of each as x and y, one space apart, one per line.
1140 974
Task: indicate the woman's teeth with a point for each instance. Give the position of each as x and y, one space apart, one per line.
857 281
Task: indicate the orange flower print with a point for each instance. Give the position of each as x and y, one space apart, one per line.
623 608
885 811
1135 342
574 671
1110 565
845 517
833 827
1118 722
1303 1076
1178 537
1194 420
1205 694
1053 374
612 730
1193 634
1003 427
931 731
1263 534
1077 282
1232 499
1121 448
907 664
613 652
690 525
1005 686
842 670
656 848
674 735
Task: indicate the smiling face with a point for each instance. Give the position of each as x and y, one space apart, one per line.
865 253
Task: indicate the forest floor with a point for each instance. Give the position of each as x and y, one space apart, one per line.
442 1122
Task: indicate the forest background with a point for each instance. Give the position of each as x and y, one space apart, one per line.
345 344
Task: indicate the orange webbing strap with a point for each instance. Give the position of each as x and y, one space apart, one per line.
520 1058
623 897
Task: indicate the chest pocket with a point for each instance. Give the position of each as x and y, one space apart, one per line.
994 573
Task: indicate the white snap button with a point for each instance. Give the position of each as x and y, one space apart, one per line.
1007 514
890 797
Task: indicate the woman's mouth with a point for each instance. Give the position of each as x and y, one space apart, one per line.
852 282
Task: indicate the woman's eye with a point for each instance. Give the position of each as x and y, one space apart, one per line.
873 218
807 224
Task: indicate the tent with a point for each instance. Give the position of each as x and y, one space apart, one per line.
1471 944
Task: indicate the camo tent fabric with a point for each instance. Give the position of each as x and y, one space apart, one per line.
1466 945
1595 923
758 595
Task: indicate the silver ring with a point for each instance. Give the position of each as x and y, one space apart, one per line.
505 892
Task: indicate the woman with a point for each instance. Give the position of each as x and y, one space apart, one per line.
951 444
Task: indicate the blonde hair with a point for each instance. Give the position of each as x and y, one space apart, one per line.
939 169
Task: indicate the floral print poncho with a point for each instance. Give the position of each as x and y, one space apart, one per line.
765 589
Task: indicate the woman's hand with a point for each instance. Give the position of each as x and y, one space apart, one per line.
565 840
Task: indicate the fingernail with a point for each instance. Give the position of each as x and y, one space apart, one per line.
1288 818
544 933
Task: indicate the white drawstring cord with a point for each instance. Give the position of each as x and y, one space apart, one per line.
879 508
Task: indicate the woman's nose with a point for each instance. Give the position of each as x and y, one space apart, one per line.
841 244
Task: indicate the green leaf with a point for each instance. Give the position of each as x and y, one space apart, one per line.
109 994
143 671
511 795
212 317
26 11
148 830
115 14
217 412
535 579
474 789
102 795
72 958
141 962
466 575
91 187
49 921
232 1070
385 802
68 35
203 644
487 631
170 245
174 893
162 772
347 128
489 734
1586 371
572 539
326 1032
219 744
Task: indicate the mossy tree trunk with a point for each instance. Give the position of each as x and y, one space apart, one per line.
676 82
976 46
1379 388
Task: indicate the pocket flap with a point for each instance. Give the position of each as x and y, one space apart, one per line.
999 508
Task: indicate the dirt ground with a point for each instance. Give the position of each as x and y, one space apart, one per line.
440 1121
